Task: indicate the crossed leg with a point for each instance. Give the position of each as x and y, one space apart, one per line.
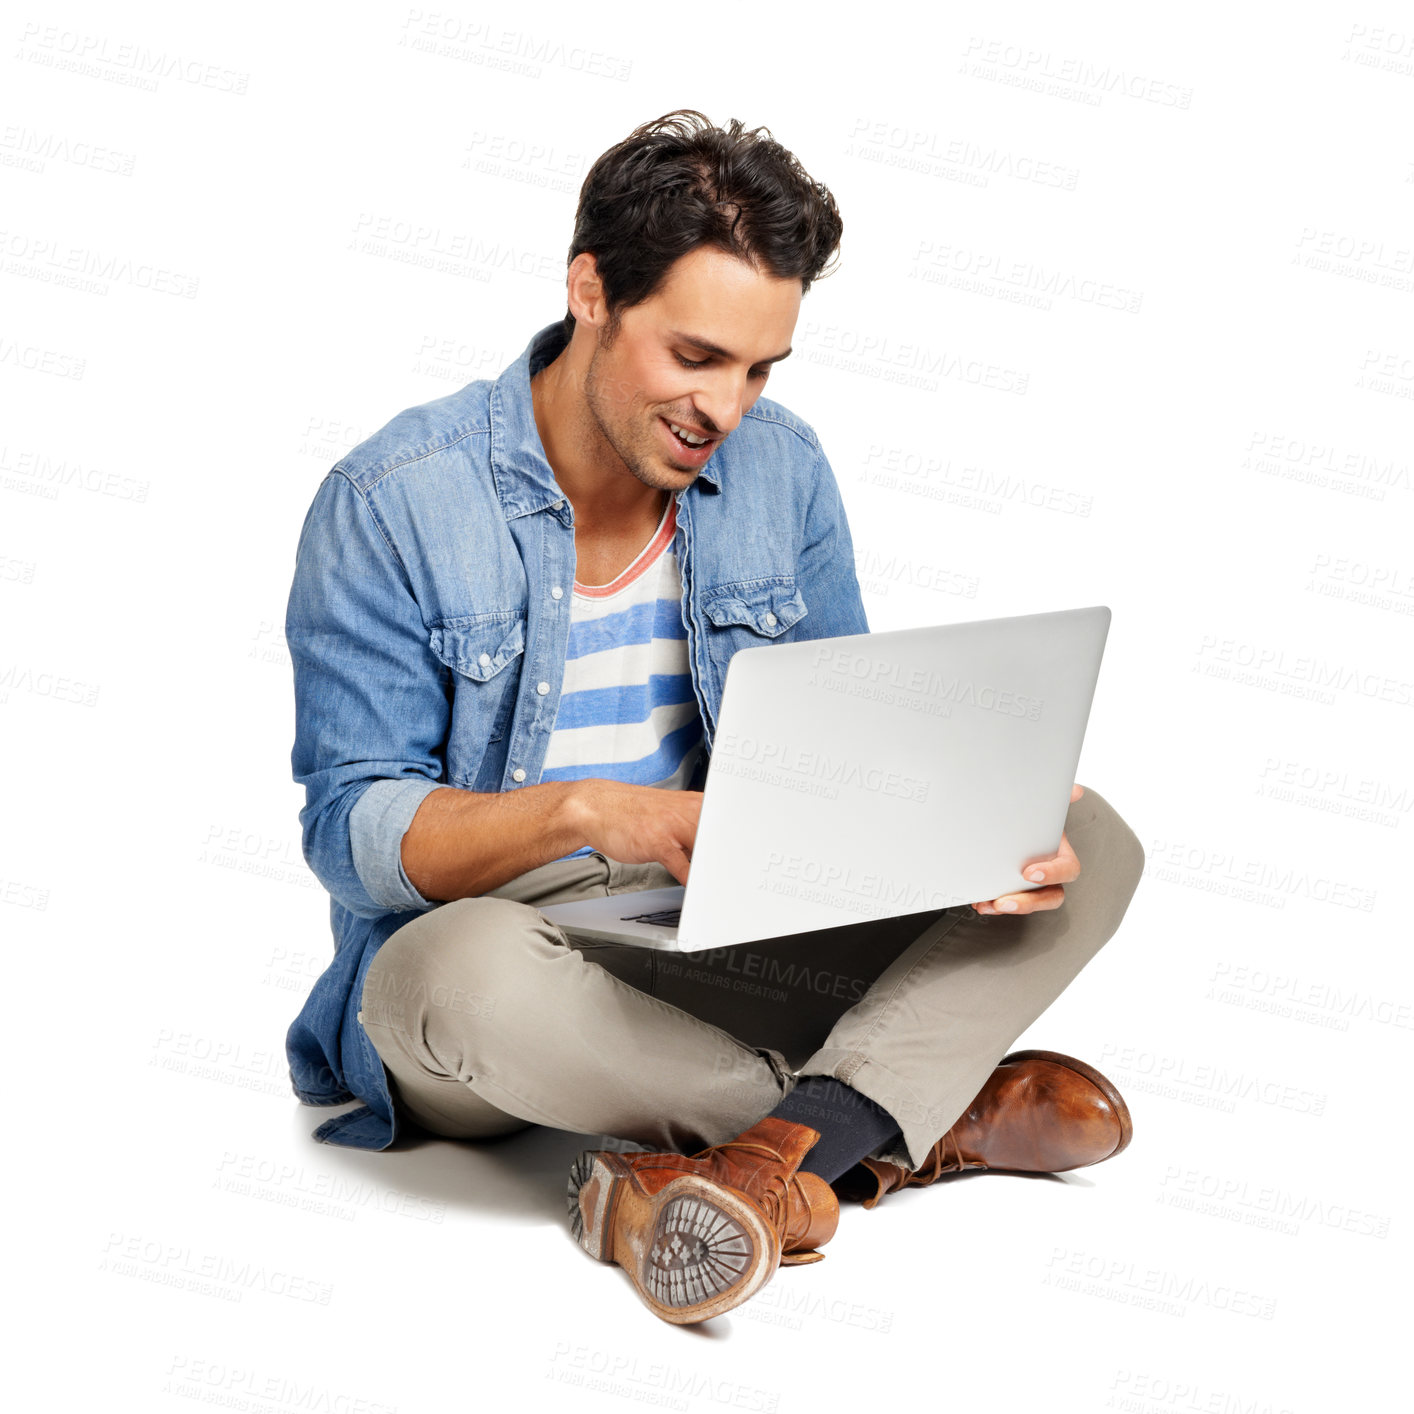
489 1018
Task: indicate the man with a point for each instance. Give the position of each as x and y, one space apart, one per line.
512 614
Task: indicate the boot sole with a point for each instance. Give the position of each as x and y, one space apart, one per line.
1102 1083
693 1250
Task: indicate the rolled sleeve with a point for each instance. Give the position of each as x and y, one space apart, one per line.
371 707
377 824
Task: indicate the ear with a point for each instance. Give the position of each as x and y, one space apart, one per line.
585 291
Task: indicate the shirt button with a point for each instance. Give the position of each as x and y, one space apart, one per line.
360 1018
518 774
542 688
557 505
485 660
770 618
557 593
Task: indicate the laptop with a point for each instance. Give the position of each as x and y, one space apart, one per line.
871 776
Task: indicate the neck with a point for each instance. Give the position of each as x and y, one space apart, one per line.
593 476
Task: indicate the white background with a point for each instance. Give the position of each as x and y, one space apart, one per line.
1147 278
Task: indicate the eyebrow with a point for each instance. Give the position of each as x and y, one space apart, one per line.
712 348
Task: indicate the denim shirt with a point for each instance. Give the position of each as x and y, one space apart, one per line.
427 625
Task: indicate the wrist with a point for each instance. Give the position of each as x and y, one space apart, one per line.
577 813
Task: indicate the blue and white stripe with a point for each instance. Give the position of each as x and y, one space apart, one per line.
627 710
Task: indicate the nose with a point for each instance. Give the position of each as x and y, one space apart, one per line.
720 402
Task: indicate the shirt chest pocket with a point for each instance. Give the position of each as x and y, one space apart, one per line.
766 607
748 614
483 654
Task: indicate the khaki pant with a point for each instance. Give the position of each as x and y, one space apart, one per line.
489 1018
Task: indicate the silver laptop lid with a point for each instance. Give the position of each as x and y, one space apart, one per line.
883 774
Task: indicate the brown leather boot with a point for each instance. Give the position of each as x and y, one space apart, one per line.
1039 1112
701 1233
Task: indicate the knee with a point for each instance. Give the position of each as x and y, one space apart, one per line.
1105 844
454 961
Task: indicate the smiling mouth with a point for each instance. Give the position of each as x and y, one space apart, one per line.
689 438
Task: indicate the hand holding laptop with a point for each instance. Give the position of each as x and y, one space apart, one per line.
1063 868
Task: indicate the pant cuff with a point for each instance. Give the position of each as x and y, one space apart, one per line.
921 1125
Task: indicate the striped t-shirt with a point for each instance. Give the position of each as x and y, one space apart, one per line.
627 710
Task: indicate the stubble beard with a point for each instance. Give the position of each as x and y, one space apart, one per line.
636 448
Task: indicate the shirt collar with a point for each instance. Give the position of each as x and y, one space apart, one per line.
524 480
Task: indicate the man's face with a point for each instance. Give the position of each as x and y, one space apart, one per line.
712 311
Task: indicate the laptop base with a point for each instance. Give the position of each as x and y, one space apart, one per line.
635 918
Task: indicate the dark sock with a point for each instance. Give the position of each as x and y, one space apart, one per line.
851 1125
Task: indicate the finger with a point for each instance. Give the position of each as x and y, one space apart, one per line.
1032 901
1075 793
1065 868
677 863
1062 868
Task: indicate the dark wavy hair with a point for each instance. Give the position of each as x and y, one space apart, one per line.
678 183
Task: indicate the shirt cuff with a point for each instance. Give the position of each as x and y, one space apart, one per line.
377 823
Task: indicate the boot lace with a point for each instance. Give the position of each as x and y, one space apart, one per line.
936 1163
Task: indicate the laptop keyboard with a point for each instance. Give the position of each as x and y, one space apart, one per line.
667 918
